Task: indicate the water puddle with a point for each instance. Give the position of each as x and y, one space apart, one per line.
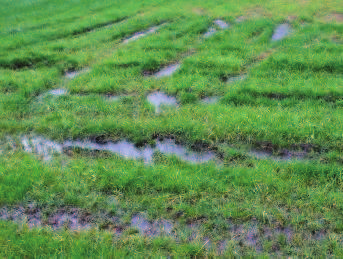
220 24
58 92
198 154
210 99
74 73
169 147
159 99
47 148
281 32
116 98
122 148
168 70
141 34
233 79
113 98
211 31
41 146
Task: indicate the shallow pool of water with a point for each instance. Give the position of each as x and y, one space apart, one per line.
158 99
211 31
74 73
169 147
281 31
141 34
233 79
47 148
210 99
221 24
41 146
58 92
168 70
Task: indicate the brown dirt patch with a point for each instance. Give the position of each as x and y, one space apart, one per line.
198 10
335 16
292 18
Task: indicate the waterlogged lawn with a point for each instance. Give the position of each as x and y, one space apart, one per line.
180 128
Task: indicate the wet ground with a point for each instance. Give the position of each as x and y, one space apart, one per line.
58 92
211 31
252 233
220 24
282 155
168 70
232 79
46 149
141 34
281 31
159 99
74 73
210 100
167 146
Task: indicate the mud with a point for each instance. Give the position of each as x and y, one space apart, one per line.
253 13
280 155
8 145
71 219
240 19
152 228
281 31
251 234
31 215
335 16
159 99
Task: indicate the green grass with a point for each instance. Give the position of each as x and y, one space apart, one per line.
291 95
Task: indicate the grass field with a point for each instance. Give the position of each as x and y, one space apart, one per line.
171 128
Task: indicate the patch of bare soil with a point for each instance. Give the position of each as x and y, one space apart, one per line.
253 13
335 16
199 11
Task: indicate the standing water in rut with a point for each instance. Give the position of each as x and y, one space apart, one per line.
47 148
74 73
168 70
141 34
58 92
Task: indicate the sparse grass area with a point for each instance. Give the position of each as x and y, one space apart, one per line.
274 95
